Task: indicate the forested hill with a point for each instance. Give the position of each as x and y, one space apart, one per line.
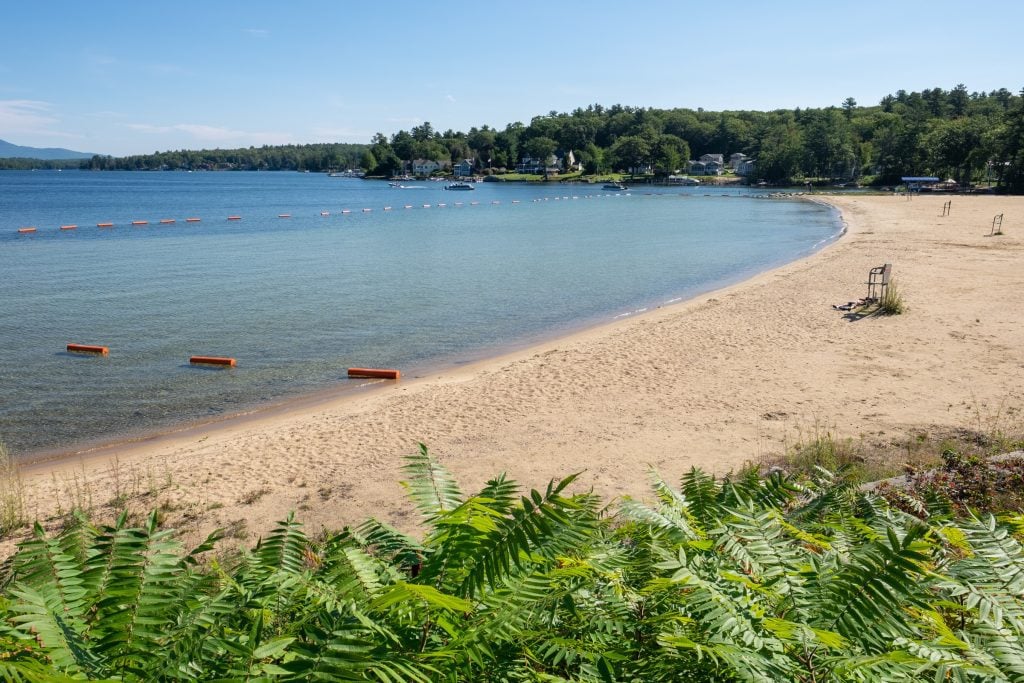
968 136
315 157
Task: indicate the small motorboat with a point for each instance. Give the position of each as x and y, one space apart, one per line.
459 186
618 187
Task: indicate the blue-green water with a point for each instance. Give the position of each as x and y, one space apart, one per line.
299 300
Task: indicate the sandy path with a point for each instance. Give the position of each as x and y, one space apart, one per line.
714 382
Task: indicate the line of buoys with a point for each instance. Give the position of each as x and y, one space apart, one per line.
193 219
88 348
212 360
376 373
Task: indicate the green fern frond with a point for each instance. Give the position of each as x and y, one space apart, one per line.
430 485
702 496
284 549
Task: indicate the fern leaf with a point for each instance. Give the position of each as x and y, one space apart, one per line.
430 485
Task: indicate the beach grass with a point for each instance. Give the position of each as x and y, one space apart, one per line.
12 494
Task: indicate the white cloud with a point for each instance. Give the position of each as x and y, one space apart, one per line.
25 116
216 134
450 98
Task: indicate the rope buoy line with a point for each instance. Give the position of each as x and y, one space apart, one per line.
28 230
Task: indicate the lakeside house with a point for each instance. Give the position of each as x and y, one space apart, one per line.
744 167
706 167
463 169
425 166
717 158
537 166
736 159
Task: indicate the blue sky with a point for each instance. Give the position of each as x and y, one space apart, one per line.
137 77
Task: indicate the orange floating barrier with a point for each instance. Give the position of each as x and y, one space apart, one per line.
284 215
325 213
192 220
104 225
26 230
140 222
234 218
376 373
367 210
88 348
212 360
387 208
165 221
68 227
408 206
346 210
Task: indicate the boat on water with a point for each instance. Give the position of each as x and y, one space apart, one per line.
459 186
615 186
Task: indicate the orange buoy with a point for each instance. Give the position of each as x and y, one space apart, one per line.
192 220
88 348
325 213
367 210
234 218
284 215
68 227
346 210
377 373
140 222
165 221
387 208
26 230
408 206
104 225
212 360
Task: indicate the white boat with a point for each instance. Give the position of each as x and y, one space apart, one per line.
618 187
459 186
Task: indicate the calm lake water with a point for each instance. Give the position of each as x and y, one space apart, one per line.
456 277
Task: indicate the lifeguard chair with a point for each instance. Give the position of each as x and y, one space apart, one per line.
878 281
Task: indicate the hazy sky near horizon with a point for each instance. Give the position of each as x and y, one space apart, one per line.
120 78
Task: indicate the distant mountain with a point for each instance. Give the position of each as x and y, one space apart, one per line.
8 150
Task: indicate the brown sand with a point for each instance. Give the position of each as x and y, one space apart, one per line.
714 382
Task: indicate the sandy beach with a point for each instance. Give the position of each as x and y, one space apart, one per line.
715 382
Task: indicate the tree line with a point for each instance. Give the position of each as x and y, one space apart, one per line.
967 136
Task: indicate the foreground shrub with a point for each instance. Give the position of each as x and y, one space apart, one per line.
743 579
891 302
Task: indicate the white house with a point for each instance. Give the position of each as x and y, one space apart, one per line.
717 158
736 159
424 166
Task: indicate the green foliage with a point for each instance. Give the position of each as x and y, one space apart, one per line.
742 579
12 494
892 302
969 136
